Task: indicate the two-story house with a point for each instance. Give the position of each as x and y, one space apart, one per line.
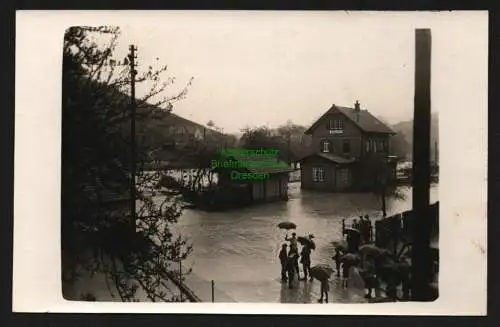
343 138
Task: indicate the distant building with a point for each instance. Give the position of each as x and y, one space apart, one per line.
272 188
344 138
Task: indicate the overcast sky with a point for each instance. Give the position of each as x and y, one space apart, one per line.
254 68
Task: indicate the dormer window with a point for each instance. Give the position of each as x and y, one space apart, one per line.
326 146
336 126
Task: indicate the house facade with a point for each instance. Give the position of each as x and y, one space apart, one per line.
344 141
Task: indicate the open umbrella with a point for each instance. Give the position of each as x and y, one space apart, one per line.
307 242
321 272
389 272
350 258
287 225
352 230
371 250
340 245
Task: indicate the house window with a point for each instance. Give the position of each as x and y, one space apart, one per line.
374 145
367 145
326 146
318 174
336 124
346 146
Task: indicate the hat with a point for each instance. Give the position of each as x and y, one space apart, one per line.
284 245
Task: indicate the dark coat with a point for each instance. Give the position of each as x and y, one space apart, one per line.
305 256
283 256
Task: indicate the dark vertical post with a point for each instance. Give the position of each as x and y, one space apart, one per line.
180 274
213 291
436 156
421 259
133 73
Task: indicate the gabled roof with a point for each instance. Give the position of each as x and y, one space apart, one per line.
363 119
330 157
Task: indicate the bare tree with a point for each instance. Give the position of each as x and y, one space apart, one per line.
380 175
95 167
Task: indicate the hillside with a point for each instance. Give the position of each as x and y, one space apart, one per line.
403 140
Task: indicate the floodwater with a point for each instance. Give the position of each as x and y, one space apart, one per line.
238 249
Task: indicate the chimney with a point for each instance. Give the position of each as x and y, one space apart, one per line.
356 110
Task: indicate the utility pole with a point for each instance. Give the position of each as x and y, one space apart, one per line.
133 108
421 270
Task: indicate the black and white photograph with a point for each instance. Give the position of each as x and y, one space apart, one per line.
282 158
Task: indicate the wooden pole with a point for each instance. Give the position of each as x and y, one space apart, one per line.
213 291
421 255
133 106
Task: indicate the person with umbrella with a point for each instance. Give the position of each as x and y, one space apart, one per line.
352 239
337 259
283 260
370 279
370 227
325 288
292 240
306 261
348 260
363 230
322 273
291 266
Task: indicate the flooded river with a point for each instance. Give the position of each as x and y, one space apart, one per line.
238 249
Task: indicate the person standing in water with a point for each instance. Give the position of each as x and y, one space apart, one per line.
306 261
345 274
290 266
292 240
364 230
337 259
283 260
325 288
370 228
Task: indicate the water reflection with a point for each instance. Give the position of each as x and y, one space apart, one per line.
239 249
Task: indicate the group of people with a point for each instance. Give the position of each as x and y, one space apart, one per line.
290 257
365 235
290 261
290 264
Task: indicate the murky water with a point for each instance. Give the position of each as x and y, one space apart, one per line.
238 249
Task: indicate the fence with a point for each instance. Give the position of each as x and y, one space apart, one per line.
398 228
196 289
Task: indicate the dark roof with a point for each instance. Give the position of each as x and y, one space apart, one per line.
270 164
330 157
363 119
